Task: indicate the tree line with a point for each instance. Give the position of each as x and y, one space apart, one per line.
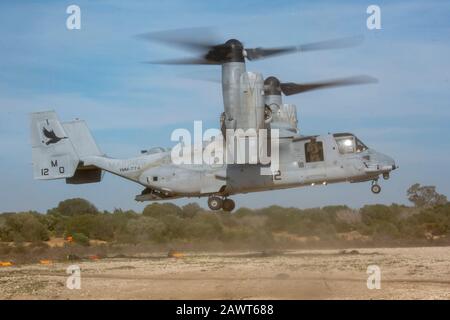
160 223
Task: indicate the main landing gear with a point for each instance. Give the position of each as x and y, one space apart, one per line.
375 187
217 203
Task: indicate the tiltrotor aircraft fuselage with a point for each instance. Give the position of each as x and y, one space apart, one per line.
67 150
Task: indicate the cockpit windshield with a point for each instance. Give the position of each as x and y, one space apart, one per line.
348 143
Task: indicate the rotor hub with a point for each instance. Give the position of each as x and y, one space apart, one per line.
272 86
230 51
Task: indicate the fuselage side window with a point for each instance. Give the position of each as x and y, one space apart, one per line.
314 151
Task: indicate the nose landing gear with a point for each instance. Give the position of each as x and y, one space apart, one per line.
217 203
375 187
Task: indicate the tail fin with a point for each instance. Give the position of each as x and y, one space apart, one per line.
59 148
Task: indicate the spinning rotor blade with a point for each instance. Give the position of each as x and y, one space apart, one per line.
197 40
193 39
214 51
261 53
183 61
290 88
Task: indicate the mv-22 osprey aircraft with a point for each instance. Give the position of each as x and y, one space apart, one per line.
67 150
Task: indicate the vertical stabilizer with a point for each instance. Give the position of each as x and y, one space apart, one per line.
53 154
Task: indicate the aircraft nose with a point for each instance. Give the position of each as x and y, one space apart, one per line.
380 162
387 162
394 165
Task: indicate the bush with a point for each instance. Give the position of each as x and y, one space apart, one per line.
81 239
190 210
146 229
24 227
433 220
373 214
204 226
156 210
174 227
98 227
73 207
166 222
425 196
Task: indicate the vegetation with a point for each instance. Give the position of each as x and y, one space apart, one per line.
425 196
166 223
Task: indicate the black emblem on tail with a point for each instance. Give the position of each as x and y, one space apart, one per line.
51 136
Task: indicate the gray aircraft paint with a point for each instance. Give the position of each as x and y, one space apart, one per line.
164 180
68 150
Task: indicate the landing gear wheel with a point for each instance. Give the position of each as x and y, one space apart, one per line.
228 205
376 188
214 203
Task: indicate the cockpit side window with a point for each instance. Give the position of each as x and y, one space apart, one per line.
346 144
349 144
360 146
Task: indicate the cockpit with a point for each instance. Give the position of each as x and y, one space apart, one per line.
348 143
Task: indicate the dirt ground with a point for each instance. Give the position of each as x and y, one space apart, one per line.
406 273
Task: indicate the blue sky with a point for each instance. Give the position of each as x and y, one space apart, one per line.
95 74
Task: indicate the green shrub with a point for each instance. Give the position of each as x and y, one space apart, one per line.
23 227
73 207
204 226
146 229
156 210
166 222
190 210
98 226
81 239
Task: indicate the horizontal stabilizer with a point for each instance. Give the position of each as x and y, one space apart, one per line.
85 175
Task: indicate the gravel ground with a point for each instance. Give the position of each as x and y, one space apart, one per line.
406 273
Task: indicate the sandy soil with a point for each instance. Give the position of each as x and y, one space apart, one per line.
406 273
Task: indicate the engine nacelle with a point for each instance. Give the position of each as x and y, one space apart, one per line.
287 115
281 116
250 115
